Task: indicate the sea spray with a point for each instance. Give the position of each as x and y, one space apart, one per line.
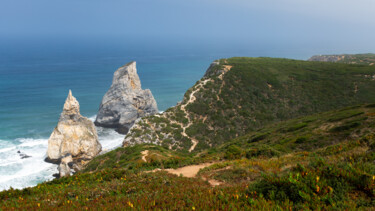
19 173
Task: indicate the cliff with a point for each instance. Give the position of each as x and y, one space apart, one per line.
290 160
239 95
125 101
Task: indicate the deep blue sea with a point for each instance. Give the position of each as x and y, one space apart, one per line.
35 79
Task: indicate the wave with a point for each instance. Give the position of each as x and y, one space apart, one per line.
16 172
19 173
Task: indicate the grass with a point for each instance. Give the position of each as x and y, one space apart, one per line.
275 129
260 91
273 168
358 59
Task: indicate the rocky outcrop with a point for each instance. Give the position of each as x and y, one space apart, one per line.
74 141
125 101
362 59
213 69
327 58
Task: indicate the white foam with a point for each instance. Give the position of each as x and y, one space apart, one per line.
7 149
20 173
109 138
92 118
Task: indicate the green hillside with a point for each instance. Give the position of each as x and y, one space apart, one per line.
323 161
240 95
361 59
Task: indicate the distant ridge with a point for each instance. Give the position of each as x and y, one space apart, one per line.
368 59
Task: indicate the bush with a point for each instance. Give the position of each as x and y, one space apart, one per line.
264 151
233 152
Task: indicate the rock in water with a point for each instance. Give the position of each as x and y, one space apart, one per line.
74 135
125 101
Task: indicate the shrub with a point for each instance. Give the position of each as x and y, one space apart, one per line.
233 152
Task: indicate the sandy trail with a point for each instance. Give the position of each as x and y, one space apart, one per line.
188 171
191 171
192 98
144 154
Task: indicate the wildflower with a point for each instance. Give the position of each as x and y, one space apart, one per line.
317 189
330 189
38 204
317 178
130 204
193 208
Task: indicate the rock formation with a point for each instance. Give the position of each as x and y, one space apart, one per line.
74 140
125 101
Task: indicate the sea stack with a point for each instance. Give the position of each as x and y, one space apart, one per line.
125 101
74 141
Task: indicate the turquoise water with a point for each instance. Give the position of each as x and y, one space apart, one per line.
35 79
33 92
33 88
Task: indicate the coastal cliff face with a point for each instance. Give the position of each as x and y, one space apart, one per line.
239 95
74 141
125 101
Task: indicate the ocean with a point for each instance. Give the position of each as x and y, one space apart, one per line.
35 80
34 86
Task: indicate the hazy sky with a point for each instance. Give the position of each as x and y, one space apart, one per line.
341 25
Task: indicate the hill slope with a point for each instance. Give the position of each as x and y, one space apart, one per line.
364 59
239 95
323 161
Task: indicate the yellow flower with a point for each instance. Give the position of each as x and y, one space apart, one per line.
330 189
317 178
130 204
38 204
193 208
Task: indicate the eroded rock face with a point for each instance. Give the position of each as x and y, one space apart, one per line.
64 166
125 101
74 135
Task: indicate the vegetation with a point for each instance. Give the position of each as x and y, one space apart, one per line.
286 165
362 59
254 92
272 133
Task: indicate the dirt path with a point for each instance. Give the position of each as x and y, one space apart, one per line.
191 171
192 98
188 171
144 155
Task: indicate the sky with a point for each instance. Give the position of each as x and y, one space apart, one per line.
342 26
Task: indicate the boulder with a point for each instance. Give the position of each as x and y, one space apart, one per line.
65 165
74 135
125 101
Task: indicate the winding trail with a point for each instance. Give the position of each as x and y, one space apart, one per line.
192 99
144 155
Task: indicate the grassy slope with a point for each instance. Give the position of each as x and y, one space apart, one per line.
320 161
254 93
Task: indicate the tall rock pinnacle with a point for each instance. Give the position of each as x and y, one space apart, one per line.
74 140
125 101
71 105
